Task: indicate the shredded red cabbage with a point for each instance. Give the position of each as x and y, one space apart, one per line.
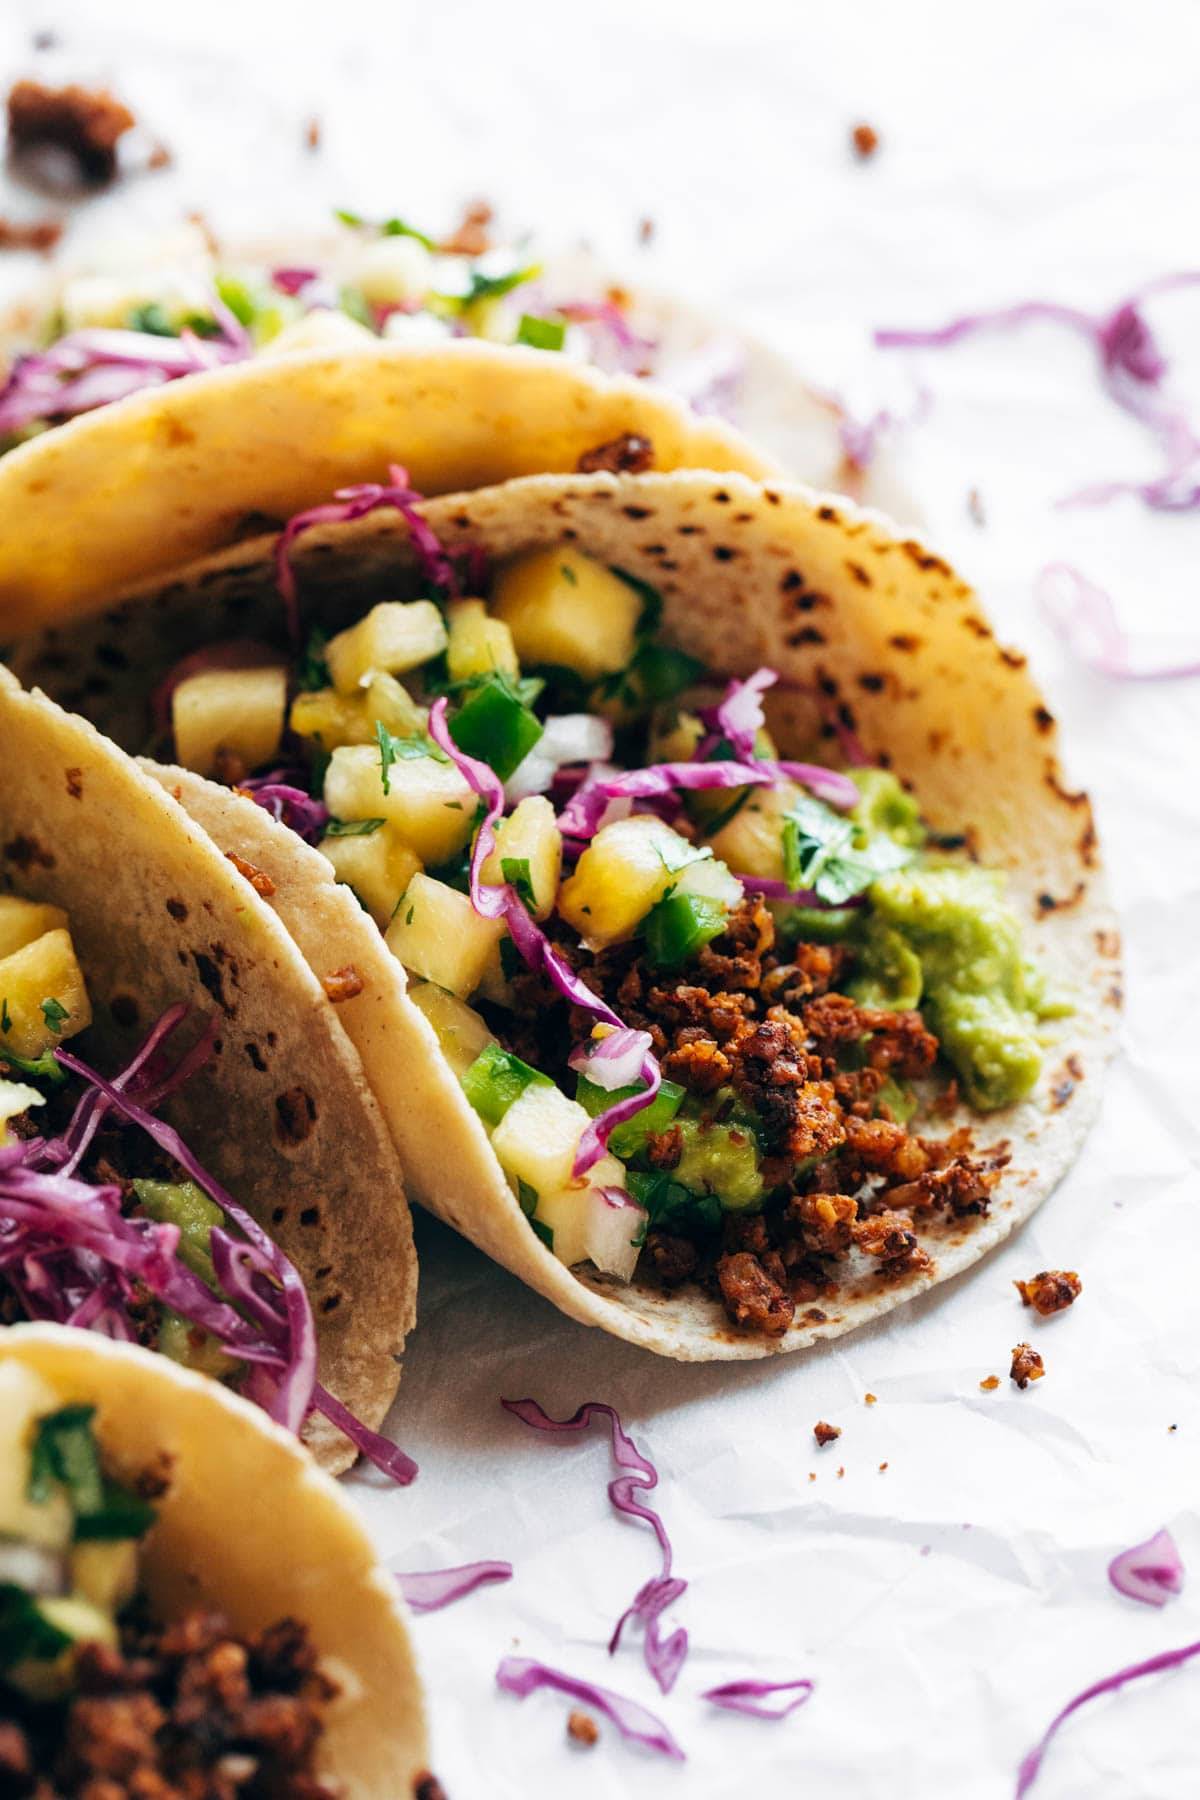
522 1676
87 369
288 803
355 503
1083 616
747 1697
1150 1572
664 1657
1027 1774
428 1590
292 281
614 1061
495 901
1132 368
582 814
739 716
613 344
71 1255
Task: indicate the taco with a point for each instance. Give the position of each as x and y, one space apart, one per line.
190 1156
760 970
187 1605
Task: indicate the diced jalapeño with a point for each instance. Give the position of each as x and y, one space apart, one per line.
494 725
495 1079
630 1138
681 925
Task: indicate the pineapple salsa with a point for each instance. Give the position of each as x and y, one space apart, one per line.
696 994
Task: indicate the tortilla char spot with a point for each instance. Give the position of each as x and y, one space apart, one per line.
177 910
771 497
1087 843
791 581
1115 996
1016 659
272 1039
310 1215
743 518
462 520
723 552
828 515
827 683
1068 796
125 1011
905 642
721 497
807 634
654 549
74 779
27 853
330 1302
636 512
569 531
257 1060
859 574
1043 719
111 656
211 977
176 435
278 1215
296 1114
814 1316
689 530
977 626
873 684
924 559
1048 903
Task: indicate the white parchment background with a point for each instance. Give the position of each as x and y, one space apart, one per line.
948 1604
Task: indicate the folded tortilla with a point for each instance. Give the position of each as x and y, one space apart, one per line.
248 1526
283 1115
858 620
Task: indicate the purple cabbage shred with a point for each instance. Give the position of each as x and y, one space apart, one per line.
429 1590
522 1676
748 1696
1031 1764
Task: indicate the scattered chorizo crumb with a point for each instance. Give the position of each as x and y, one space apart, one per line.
825 1433
868 1399
1051 1291
1027 1365
583 1728
472 235
259 880
990 1383
343 984
882 1467
812 1474
1172 1428
629 454
646 230
428 1787
30 234
312 133
87 123
865 139
161 155
841 1471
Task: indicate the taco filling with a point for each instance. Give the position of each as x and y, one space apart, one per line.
707 1003
109 1221
106 336
98 1694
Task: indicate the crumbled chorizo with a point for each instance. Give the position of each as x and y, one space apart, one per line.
259 880
583 1728
826 1433
752 1296
343 984
1051 1291
1027 1365
86 123
629 454
674 1259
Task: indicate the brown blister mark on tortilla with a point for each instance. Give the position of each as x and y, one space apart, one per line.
723 552
1043 719
311 1215
257 1060
976 626
924 559
814 1316
213 971
637 512
859 574
872 683
74 779
27 853
296 1114
177 910
174 434
905 642
1049 903
807 634
124 1011
653 549
1015 659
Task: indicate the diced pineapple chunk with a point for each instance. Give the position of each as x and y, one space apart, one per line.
478 644
625 870
23 920
395 635
710 880
530 834
461 1032
589 1224
324 328
538 1137
390 269
565 608
236 710
105 1574
43 998
437 934
330 719
429 803
752 842
24 1398
15 1098
378 865
674 736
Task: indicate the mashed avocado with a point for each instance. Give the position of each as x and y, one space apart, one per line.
720 1160
949 934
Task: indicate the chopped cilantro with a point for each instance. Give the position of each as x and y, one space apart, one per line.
26 1634
39 1068
312 671
832 856
5 1017
55 1015
528 1196
515 870
400 749
541 334
492 287
401 228
152 318
353 827
65 1453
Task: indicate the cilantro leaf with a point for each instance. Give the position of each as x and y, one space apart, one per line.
515 870
39 1068
65 1453
312 671
55 1015
401 749
353 827
831 856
